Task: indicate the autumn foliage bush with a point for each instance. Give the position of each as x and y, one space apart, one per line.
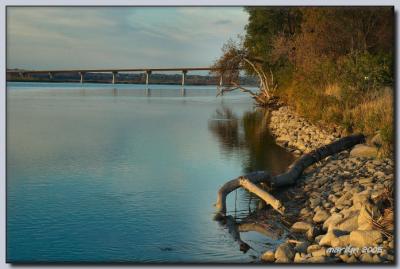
333 65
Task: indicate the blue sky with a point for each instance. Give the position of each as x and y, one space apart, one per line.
120 37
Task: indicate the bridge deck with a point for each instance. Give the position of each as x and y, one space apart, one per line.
111 70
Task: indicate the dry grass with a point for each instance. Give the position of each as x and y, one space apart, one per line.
333 90
385 223
375 114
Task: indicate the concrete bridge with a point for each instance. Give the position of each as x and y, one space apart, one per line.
114 72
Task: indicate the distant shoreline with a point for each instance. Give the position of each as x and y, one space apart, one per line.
108 82
118 82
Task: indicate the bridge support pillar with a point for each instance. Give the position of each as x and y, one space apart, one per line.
114 77
148 73
81 74
221 83
183 91
184 72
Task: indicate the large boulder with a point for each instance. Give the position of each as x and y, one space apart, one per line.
362 150
366 238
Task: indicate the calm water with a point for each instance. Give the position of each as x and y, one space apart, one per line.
97 174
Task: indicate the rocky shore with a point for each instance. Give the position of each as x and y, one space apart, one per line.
346 210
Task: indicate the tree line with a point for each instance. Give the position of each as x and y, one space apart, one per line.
334 65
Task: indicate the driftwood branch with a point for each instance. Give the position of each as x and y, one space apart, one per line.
250 181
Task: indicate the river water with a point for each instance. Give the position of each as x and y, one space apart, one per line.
97 173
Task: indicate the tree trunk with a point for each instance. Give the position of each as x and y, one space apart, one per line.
249 181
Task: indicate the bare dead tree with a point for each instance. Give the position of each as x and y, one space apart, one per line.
228 66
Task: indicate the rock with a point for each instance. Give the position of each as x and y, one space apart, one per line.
348 224
368 258
327 239
321 216
332 220
361 198
268 256
314 202
313 248
298 258
319 252
301 227
302 247
284 253
318 238
367 213
345 199
367 238
352 259
365 180
311 233
341 241
320 259
305 211
362 150
377 140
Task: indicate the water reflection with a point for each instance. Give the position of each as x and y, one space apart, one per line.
249 135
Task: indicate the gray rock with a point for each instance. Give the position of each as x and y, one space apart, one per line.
301 226
321 216
332 220
284 253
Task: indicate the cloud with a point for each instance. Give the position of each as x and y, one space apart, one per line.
100 37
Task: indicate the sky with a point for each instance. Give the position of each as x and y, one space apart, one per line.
119 37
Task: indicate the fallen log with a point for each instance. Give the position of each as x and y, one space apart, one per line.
250 181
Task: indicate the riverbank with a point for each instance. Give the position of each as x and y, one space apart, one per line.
341 209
